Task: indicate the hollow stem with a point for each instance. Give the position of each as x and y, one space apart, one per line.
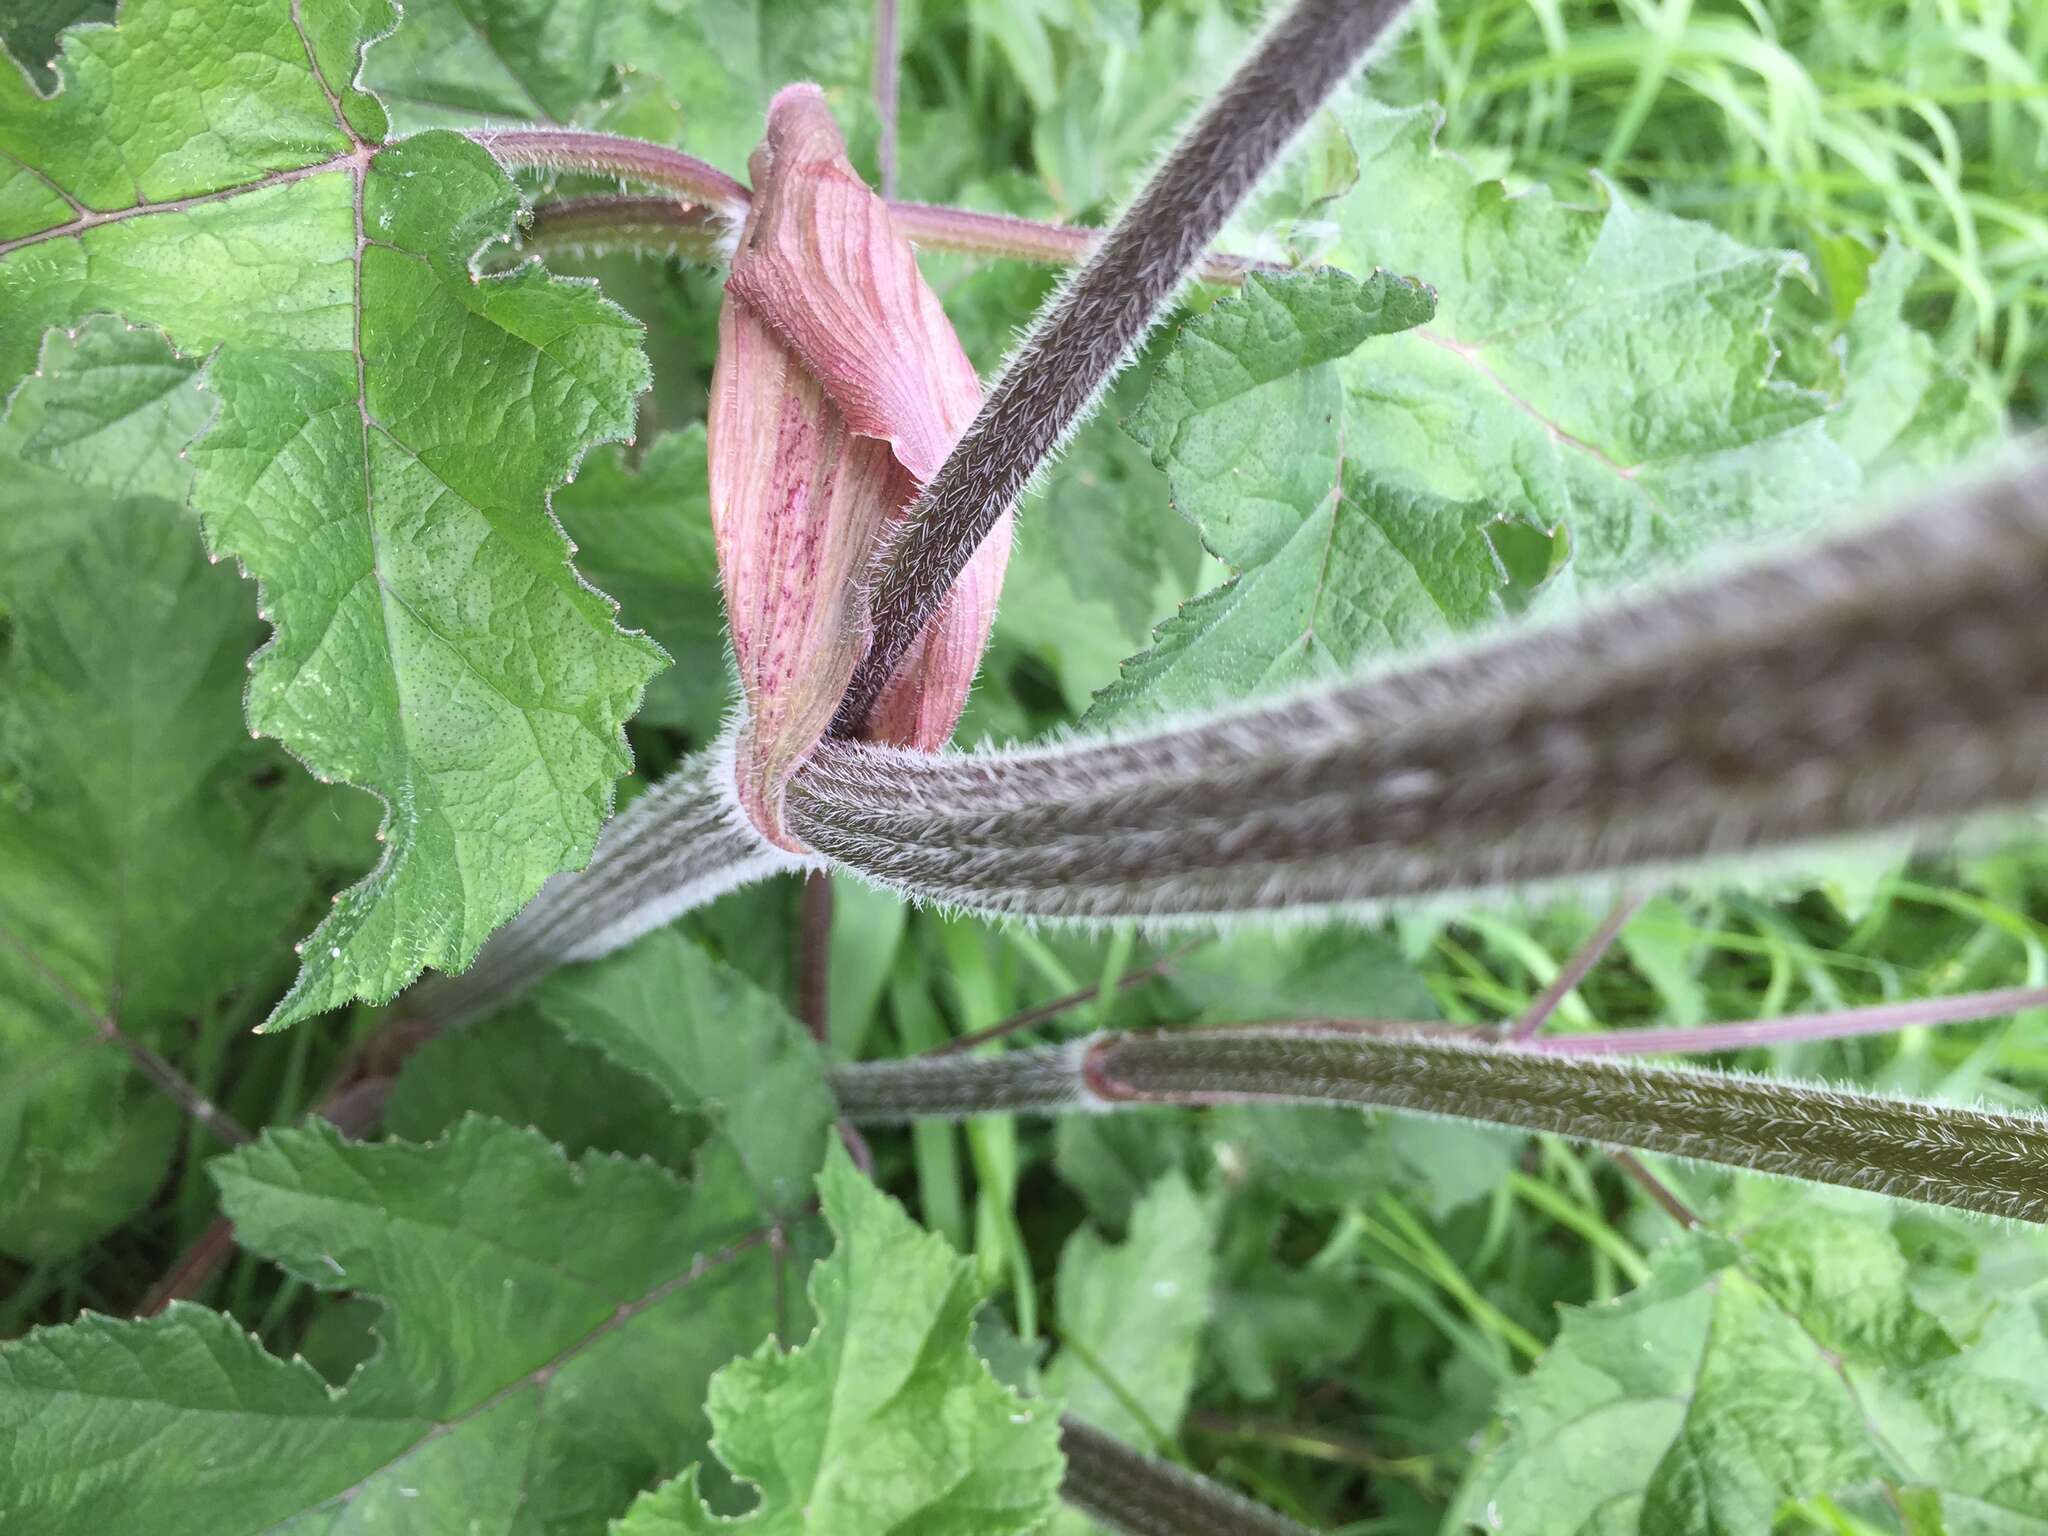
1971 1159
1090 327
1142 1495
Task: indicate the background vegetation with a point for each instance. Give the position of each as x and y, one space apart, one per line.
1345 1300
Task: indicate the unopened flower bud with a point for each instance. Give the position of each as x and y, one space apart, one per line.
839 390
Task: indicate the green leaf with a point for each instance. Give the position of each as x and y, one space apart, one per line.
29 31
717 1045
465 63
521 1069
885 1420
149 846
388 429
468 63
1906 414
1592 380
550 1330
1790 1362
1131 1315
1247 415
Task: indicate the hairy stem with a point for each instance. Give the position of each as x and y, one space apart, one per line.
608 154
1896 676
676 847
938 228
1141 1495
690 231
644 226
1971 1159
1091 326
814 956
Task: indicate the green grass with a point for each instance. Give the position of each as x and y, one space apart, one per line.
1816 124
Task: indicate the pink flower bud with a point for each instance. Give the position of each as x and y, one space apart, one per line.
839 389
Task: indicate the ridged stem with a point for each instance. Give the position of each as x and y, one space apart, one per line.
1090 327
1895 676
1141 1495
1970 1159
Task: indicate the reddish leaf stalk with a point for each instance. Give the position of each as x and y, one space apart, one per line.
608 154
1576 969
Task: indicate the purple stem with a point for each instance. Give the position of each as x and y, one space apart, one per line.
1838 1025
885 91
1575 969
935 227
607 154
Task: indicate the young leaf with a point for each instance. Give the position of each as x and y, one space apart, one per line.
550 1332
148 870
716 1044
1131 1315
1790 1361
885 1419
389 427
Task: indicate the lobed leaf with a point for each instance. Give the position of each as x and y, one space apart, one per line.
550 1328
1132 1316
1790 1360
1594 385
389 427
716 1044
885 1419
